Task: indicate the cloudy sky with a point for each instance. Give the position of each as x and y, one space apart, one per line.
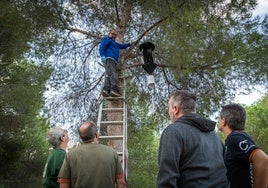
261 10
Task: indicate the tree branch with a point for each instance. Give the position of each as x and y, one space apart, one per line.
167 80
172 66
117 12
84 32
147 30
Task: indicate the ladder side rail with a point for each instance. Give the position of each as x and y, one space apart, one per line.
99 117
125 155
125 151
124 138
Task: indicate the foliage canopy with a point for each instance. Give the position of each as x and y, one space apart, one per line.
211 48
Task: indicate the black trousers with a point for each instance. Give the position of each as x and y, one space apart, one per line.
111 75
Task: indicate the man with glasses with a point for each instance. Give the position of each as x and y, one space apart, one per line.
109 52
59 139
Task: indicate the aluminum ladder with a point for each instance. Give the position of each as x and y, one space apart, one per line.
112 126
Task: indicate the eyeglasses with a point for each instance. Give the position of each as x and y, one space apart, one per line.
114 34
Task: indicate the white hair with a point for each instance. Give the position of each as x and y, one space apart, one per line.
54 135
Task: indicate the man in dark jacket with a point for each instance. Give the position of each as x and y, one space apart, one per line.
109 52
190 153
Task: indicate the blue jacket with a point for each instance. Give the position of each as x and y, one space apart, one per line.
110 49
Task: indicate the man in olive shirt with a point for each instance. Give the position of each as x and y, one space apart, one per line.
92 164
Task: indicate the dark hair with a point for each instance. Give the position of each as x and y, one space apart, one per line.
234 115
185 100
88 134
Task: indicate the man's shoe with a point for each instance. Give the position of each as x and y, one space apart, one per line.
105 93
115 94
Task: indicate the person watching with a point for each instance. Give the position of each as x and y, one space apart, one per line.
91 164
190 152
59 139
247 164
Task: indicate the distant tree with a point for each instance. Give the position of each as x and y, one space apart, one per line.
24 33
142 156
22 142
257 122
25 27
143 143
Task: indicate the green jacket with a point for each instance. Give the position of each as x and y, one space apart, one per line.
52 168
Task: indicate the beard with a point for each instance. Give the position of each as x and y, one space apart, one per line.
172 118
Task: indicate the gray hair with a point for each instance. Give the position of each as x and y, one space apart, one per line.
234 115
54 136
185 101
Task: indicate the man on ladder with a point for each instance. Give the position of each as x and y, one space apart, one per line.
109 52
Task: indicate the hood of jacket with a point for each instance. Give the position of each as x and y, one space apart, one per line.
203 124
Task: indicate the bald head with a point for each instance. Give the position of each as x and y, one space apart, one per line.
88 131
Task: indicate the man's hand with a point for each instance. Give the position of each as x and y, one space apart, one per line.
132 44
103 59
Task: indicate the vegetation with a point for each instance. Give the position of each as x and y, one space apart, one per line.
23 148
143 142
142 157
212 48
257 126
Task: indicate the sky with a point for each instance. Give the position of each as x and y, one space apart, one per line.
251 98
261 10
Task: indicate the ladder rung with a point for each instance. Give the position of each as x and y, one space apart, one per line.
115 137
113 109
111 123
119 153
114 98
124 77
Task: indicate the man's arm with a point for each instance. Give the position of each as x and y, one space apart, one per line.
168 156
123 46
120 181
64 173
260 169
64 185
64 182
